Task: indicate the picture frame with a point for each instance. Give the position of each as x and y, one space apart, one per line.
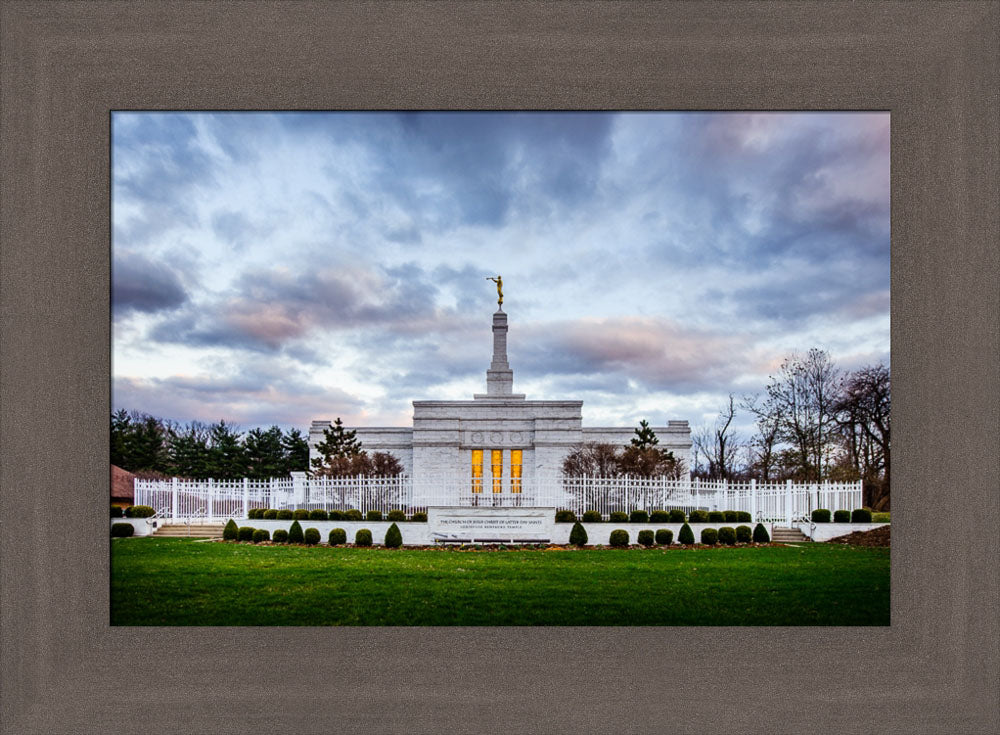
65 66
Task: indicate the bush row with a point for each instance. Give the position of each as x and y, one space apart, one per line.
396 516
295 535
858 515
710 536
658 516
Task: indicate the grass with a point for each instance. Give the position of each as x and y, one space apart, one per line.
184 582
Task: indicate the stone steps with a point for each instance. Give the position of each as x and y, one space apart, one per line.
789 536
201 530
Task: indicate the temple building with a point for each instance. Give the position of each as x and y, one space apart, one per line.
498 436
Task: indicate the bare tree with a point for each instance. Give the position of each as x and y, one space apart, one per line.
863 414
719 445
762 450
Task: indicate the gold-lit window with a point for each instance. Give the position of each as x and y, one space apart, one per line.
515 470
497 466
477 470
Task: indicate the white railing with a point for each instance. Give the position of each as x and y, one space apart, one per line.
220 499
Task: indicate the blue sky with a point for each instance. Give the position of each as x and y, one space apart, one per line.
280 268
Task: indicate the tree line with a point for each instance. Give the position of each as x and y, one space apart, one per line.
148 445
813 422
640 458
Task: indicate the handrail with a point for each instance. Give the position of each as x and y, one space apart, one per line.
202 512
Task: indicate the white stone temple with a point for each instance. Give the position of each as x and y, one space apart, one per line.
498 434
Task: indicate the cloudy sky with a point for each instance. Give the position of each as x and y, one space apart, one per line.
280 268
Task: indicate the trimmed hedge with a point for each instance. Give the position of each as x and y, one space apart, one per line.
295 535
861 515
336 515
117 511
565 516
841 516
280 536
686 536
337 536
821 515
645 537
664 537
592 516
880 517
727 535
743 516
743 534
311 536
396 516
393 538
285 515
659 516
731 516
618 517
578 536
353 515
245 533
270 514
374 516
319 515
716 516
698 516
363 537
619 537
261 534
121 530
709 536
139 511
231 531
252 514
677 516
638 516
418 518
760 534
301 514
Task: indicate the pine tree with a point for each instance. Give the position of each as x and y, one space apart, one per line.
265 453
296 450
645 437
189 453
338 444
227 460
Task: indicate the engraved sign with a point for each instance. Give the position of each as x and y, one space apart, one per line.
486 525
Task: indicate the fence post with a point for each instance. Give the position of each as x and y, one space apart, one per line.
173 499
753 499
211 498
788 502
246 498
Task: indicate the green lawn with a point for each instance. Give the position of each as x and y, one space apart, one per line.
184 582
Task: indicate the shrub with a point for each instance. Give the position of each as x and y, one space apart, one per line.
664 537
645 537
270 514
698 516
592 516
337 536
121 530
280 536
311 536
284 515
396 516
861 515
419 518
353 515
336 515
318 515
760 534
880 517
716 516
252 514
731 516
301 514
261 534
659 516
116 511
841 516
727 535
393 538
686 536
245 533
295 535
618 517
139 511
638 516
578 536
743 534
677 516
709 536
821 515
374 515
743 516
363 537
231 531
619 537
565 516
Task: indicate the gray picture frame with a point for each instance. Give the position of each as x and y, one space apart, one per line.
66 65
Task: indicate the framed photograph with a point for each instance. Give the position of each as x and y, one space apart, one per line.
932 69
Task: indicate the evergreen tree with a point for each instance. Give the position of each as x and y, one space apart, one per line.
147 444
189 453
296 449
338 444
645 437
227 460
121 434
265 453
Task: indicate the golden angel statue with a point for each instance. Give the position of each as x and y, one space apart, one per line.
499 282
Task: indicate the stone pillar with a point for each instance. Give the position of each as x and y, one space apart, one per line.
499 378
298 488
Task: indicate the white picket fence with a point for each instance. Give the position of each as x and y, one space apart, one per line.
179 499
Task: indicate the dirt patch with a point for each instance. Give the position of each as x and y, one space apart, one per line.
875 537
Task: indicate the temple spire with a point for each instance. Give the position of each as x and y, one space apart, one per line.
499 376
